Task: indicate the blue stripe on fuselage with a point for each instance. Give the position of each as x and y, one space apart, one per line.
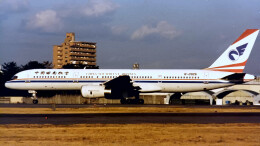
101 81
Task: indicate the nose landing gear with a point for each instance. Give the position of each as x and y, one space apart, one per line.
34 97
35 101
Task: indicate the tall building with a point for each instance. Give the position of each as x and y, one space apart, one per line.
74 52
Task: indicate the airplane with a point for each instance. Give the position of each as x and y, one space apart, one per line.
127 84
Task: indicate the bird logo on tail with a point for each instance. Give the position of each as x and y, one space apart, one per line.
235 54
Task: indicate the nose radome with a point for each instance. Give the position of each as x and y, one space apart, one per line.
7 85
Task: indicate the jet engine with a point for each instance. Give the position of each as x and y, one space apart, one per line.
94 91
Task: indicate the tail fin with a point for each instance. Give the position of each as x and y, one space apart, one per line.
235 57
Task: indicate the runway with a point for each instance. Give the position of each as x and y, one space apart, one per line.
115 114
123 105
130 118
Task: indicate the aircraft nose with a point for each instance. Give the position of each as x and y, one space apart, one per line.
8 84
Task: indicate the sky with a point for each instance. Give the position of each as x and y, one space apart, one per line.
168 34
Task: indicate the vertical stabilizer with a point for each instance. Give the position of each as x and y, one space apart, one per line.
235 57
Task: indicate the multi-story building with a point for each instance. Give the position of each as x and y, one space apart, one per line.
74 52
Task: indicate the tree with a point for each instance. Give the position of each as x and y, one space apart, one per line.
9 70
2 81
47 64
33 65
79 66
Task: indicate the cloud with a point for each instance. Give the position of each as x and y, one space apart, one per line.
14 5
117 30
163 28
91 14
98 7
46 20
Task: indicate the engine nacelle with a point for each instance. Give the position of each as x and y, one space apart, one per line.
94 91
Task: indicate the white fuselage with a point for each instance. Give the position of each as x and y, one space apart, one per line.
150 80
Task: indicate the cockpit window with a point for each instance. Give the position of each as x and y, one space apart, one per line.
14 77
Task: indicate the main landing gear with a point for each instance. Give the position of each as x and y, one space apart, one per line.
174 97
137 100
34 97
131 101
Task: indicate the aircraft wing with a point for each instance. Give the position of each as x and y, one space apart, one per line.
125 83
121 86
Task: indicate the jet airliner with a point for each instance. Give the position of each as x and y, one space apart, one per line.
127 84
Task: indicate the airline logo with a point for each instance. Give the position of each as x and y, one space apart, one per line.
235 54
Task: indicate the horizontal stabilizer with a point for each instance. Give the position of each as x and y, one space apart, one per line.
235 78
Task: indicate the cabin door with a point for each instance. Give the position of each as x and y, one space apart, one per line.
27 80
159 78
206 77
75 77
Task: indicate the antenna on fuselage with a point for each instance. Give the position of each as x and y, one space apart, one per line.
136 66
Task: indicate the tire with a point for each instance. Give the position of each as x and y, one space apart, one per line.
141 101
123 101
35 101
129 101
171 101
